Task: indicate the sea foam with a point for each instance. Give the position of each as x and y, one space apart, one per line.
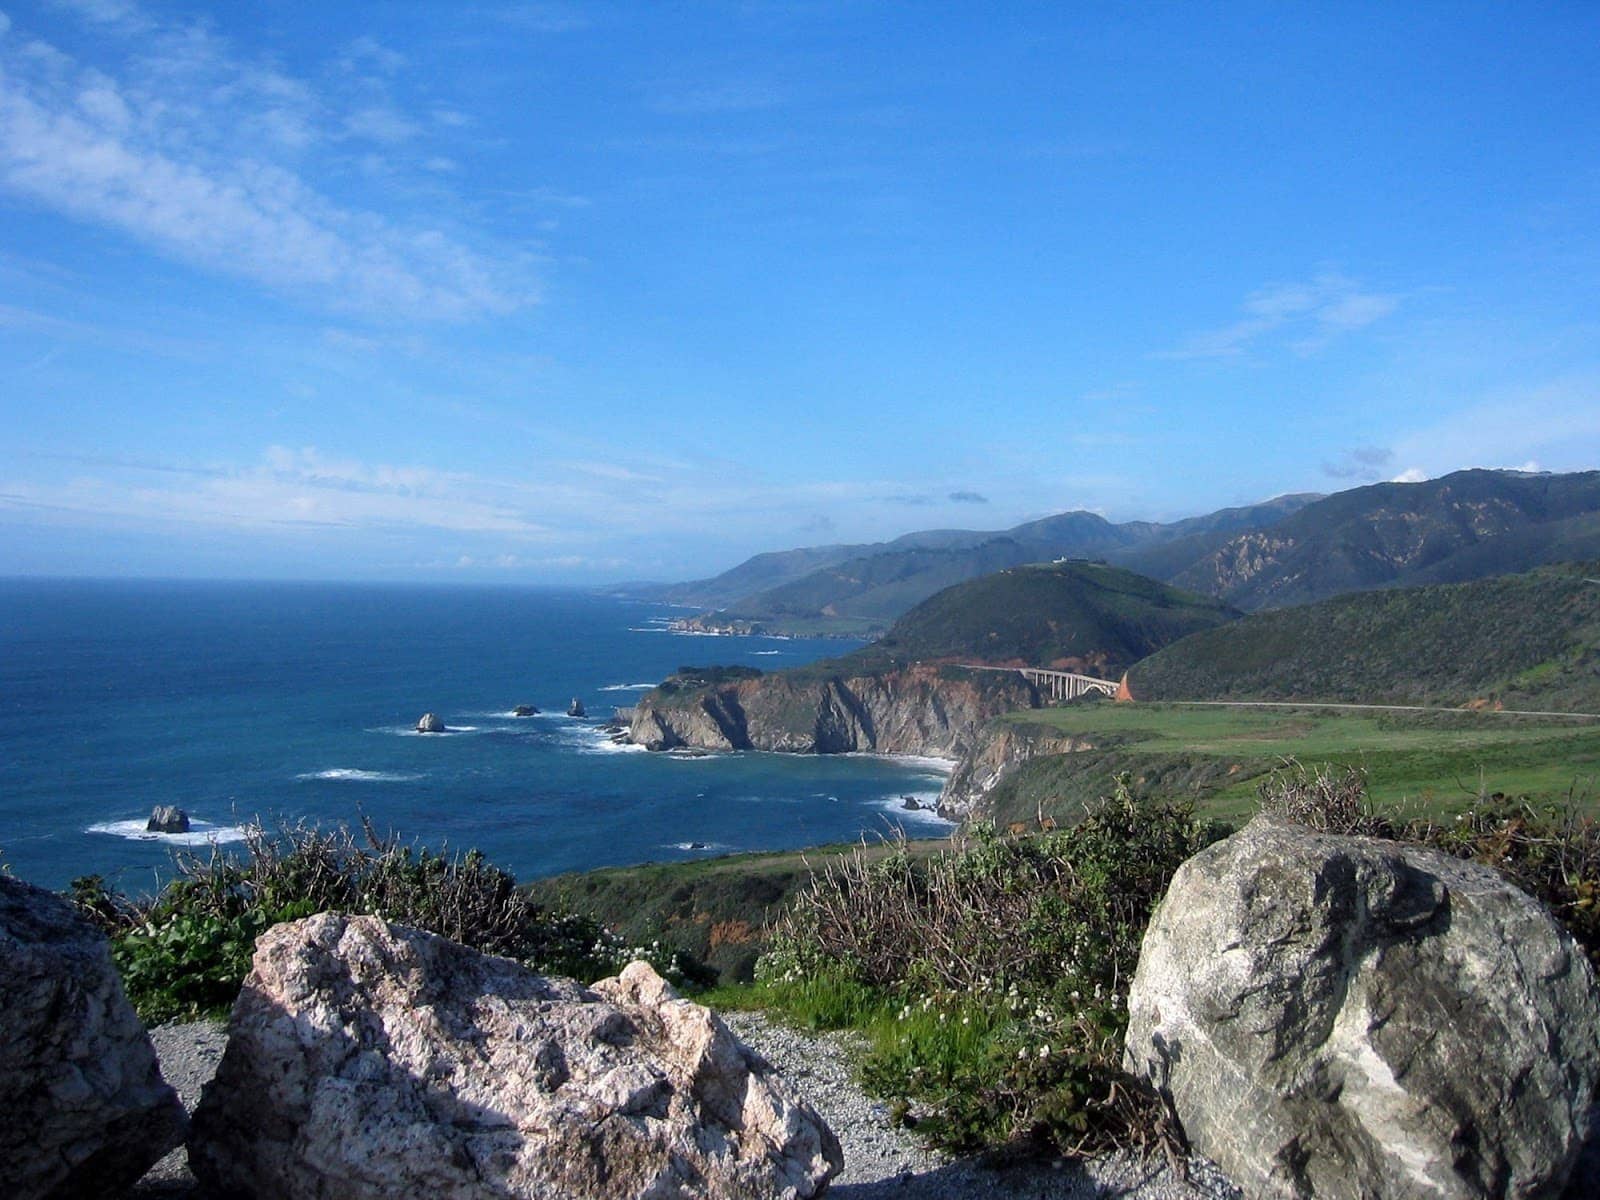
201 833
356 775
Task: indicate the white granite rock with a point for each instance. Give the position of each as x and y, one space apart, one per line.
1345 1017
367 1060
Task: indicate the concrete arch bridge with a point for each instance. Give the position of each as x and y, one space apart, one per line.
1057 685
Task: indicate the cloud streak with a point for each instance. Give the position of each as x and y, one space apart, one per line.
195 153
1305 317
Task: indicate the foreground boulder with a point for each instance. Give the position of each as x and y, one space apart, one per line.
369 1060
1348 1017
86 1111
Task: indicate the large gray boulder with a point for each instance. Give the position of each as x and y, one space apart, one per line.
1344 1017
367 1061
86 1111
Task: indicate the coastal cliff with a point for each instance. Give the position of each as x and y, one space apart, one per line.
995 751
921 709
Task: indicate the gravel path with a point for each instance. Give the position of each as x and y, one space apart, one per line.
881 1160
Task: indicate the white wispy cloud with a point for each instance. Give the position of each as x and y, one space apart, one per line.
1556 423
570 515
197 152
1305 317
287 487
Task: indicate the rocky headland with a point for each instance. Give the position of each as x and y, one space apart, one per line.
921 709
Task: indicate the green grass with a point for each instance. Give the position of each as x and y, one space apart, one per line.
1432 763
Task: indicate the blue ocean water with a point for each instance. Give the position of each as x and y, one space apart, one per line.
281 702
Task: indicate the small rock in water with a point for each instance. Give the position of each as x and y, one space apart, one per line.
576 709
910 803
430 723
525 710
167 818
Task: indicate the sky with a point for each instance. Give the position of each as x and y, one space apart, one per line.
568 293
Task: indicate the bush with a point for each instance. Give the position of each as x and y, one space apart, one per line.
184 952
991 981
1552 852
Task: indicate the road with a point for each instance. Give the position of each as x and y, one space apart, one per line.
1502 712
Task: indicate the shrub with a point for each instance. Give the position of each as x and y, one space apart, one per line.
991 981
185 951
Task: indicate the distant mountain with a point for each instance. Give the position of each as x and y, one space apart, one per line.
880 581
1528 640
1462 526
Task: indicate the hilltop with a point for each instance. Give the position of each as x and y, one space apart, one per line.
1073 616
1523 641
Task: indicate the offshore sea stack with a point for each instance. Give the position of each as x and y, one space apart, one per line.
87 1112
430 723
1354 1019
167 818
367 1061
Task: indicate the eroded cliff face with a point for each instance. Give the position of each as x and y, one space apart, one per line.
919 710
998 749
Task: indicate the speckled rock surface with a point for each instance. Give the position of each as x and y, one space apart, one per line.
367 1060
86 1111
1351 1018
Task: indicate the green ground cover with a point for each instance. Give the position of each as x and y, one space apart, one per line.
719 910
1424 763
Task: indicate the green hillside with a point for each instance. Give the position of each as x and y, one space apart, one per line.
1524 641
1075 615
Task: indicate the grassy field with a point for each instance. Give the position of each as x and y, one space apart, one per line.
1433 762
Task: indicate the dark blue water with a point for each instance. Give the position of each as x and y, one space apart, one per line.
281 702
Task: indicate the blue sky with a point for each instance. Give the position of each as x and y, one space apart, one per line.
577 292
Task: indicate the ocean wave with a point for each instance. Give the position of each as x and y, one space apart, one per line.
356 775
201 833
921 762
699 847
763 652
627 687
596 739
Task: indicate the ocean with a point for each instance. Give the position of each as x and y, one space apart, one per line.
279 703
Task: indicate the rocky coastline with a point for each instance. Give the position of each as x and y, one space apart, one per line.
935 711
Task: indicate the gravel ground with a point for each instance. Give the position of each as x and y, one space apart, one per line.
881 1160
